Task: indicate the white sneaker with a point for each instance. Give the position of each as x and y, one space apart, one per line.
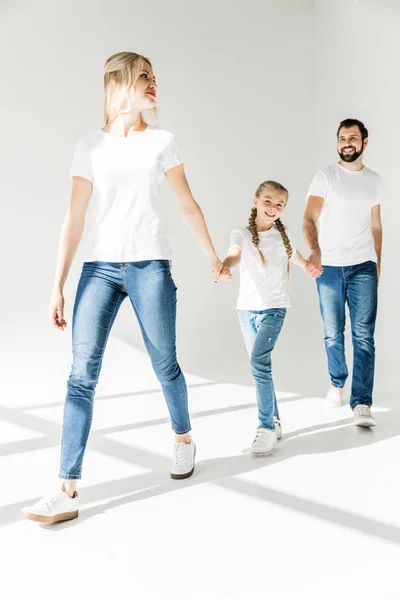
278 429
334 397
264 441
363 417
52 509
183 460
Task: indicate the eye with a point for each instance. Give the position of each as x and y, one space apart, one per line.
144 75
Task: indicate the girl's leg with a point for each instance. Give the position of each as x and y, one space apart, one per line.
269 324
99 296
250 324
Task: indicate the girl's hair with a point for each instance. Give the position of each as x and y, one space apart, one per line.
121 72
278 223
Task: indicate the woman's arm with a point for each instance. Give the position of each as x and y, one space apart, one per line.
70 236
193 215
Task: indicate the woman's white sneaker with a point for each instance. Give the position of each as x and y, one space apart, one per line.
183 460
54 508
363 417
334 397
264 441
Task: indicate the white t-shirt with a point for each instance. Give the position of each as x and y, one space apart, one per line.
345 235
129 221
262 286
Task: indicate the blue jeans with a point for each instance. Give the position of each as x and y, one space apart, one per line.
102 288
261 329
358 286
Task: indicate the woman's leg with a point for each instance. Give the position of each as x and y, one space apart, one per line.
99 296
153 295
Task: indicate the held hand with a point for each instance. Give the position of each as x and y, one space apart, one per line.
313 265
225 275
56 311
216 268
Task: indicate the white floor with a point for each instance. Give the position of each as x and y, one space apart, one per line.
318 519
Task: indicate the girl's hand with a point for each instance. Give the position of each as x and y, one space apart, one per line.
225 274
56 311
313 271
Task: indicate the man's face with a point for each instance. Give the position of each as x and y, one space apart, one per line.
350 144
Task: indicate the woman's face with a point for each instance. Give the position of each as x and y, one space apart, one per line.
145 89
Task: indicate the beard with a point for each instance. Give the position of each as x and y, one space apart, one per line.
351 157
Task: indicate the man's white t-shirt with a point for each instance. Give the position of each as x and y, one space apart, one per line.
262 286
129 222
345 235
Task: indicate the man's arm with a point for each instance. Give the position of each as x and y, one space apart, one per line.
376 226
310 230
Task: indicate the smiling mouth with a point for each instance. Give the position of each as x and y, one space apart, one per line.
270 216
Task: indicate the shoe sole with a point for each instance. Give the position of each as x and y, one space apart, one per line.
366 424
54 519
185 475
265 451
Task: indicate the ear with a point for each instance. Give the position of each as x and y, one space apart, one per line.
365 143
255 201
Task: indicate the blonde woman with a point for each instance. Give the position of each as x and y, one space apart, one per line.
123 165
263 251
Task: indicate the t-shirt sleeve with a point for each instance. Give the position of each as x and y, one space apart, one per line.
237 240
379 192
319 186
172 155
81 162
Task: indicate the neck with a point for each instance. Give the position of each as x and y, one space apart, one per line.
262 226
125 124
357 165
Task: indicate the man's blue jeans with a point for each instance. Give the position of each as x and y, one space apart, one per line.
358 286
102 288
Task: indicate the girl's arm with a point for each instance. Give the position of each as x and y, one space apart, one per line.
70 236
232 260
193 215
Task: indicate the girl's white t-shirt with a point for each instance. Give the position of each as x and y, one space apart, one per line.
262 286
129 217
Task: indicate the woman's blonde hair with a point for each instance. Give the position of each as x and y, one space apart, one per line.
121 72
278 223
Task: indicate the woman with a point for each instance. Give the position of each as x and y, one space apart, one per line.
123 165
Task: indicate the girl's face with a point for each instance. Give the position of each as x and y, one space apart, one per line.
270 204
145 89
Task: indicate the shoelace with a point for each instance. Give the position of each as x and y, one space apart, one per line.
363 410
47 503
179 452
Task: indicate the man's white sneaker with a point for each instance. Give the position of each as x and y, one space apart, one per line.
264 441
334 397
52 509
183 460
278 429
363 417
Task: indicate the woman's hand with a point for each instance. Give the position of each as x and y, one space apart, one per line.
56 311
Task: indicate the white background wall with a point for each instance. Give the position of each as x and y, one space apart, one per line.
357 61
252 90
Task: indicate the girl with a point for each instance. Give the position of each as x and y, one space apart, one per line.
124 165
263 250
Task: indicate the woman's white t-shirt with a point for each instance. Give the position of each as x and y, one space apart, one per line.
262 286
129 222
